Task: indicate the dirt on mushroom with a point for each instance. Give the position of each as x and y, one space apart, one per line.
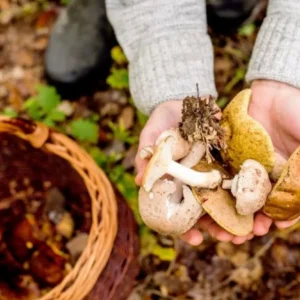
200 123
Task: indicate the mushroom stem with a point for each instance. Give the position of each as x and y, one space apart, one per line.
193 178
226 184
195 155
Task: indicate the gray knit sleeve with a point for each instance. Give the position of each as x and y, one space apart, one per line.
168 48
276 54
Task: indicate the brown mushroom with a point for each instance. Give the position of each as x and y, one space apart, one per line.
250 186
283 203
220 204
245 137
170 207
162 164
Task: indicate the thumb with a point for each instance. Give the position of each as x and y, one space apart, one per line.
147 138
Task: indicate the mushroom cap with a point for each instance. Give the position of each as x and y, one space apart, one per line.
252 187
283 203
245 138
158 164
181 147
162 215
220 205
195 154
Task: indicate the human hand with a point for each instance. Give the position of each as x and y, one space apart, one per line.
275 106
164 116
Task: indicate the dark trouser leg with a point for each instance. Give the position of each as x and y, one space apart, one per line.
78 53
226 15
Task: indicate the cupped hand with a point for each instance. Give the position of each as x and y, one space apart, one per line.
275 105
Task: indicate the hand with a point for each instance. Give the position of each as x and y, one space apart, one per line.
165 116
276 106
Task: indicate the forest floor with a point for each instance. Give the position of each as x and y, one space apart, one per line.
108 125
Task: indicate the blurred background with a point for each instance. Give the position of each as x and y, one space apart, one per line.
78 84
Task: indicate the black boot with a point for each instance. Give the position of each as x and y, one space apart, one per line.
225 16
78 54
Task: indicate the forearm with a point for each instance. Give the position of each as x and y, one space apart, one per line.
167 46
276 54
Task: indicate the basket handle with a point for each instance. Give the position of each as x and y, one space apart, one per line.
35 133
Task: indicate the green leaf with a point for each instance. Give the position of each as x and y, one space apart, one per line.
33 109
10 112
57 115
99 156
47 97
118 79
118 55
49 122
167 254
222 102
247 30
149 245
142 119
84 130
64 2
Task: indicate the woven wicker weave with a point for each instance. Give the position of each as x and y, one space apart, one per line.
86 280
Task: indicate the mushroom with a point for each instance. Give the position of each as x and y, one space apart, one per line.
146 152
180 148
162 164
220 205
245 138
283 203
171 207
250 186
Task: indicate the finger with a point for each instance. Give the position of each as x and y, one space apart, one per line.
208 224
262 224
205 221
224 236
148 137
237 240
250 236
139 176
193 237
286 224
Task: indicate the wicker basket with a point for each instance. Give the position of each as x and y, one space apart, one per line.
101 269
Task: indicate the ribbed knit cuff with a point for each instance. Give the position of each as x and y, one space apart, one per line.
169 68
276 54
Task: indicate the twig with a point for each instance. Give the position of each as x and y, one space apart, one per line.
258 254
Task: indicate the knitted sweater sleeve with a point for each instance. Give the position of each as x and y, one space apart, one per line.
167 46
276 54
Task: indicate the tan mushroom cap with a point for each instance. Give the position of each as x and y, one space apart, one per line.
165 216
245 137
220 205
283 203
252 187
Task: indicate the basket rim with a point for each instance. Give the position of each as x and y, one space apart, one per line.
80 281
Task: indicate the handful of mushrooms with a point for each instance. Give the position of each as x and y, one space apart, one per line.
183 180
